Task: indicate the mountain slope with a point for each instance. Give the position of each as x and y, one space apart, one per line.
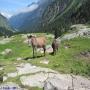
5 28
29 21
72 12
53 15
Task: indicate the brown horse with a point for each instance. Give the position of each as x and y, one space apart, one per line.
37 42
55 46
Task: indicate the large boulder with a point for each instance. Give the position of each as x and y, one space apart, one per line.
7 52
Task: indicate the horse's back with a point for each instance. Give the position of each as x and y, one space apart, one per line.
41 41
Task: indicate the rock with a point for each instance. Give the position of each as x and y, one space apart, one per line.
30 69
5 40
81 31
19 59
12 74
1 68
57 83
44 61
34 76
36 80
5 78
10 86
49 86
52 81
49 49
66 82
40 50
7 51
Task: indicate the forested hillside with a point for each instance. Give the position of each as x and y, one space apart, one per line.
52 15
5 28
61 14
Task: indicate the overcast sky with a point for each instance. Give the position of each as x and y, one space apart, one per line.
11 6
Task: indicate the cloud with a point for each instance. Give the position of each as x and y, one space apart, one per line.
5 14
28 9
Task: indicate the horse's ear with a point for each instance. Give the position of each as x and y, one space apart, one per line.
29 36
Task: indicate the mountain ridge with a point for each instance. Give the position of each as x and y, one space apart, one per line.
5 28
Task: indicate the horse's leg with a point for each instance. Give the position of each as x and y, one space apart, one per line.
44 48
33 52
36 51
55 51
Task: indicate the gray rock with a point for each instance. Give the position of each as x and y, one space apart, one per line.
80 31
45 61
5 40
1 68
7 51
67 83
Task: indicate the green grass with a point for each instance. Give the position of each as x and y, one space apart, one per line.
65 61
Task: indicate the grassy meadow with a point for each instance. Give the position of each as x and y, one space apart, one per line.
67 60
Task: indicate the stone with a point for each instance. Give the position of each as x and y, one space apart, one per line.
1 68
5 78
30 69
33 76
5 40
49 49
7 51
81 31
67 82
12 74
52 81
36 80
19 59
40 50
44 61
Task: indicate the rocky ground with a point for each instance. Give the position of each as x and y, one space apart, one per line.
33 76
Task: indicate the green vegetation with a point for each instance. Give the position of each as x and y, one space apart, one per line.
65 61
61 14
5 28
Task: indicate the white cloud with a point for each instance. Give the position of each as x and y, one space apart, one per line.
28 9
5 14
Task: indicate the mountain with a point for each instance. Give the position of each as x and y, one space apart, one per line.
30 17
61 14
5 28
52 15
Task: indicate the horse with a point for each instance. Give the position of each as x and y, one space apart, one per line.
37 42
55 46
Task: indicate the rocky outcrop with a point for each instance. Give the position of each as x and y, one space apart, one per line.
48 79
78 30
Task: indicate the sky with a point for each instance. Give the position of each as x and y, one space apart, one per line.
10 7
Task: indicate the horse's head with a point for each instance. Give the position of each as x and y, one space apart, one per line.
29 37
